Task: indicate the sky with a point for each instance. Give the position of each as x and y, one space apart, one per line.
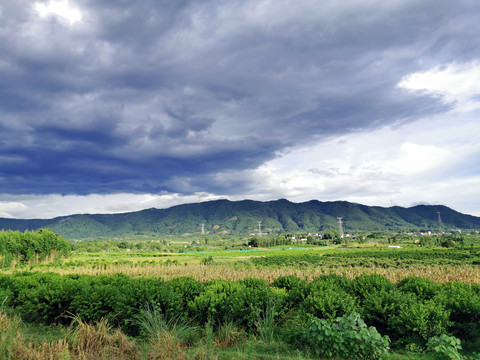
116 106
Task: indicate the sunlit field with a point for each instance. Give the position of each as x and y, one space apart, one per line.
440 264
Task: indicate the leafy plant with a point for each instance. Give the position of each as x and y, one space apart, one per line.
445 346
347 337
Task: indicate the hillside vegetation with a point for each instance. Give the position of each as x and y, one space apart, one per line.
240 218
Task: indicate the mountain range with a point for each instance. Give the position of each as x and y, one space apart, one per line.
222 217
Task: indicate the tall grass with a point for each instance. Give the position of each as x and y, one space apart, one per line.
265 323
9 328
152 321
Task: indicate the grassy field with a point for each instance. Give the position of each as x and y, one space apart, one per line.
307 262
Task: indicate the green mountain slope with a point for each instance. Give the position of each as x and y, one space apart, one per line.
241 218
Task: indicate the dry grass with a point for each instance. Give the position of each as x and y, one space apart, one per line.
14 346
441 274
89 342
166 345
44 351
100 341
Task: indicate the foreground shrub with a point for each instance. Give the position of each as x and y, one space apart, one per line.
347 337
251 301
446 347
296 290
328 303
423 288
212 303
404 317
364 285
409 313
420 321
463 302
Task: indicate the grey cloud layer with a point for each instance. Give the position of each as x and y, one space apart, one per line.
164 95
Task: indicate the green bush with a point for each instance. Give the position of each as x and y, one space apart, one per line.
364 285
328 303
379 308
404 317
424 288
288 282
331 281
245 304
347 337
212 303
296 290
463 302
419 321
187 287
409 313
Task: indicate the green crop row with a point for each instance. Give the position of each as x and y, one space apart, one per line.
411 311
374 257
415 253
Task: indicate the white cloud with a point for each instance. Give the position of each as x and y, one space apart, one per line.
416 158
53 205
458 83
431 160
60 8
9 209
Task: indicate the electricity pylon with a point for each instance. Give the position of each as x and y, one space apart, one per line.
340 227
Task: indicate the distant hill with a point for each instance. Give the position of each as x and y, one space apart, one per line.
241 217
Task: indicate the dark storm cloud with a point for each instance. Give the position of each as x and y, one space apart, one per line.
164 95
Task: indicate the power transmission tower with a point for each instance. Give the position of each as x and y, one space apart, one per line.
203 229
340 227
260 228
439 222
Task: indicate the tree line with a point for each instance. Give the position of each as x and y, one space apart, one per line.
31 246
